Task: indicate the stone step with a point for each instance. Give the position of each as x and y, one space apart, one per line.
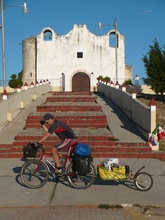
80 132
56 107
18 153
105 147
72 98
161 155
103 143
119 151
88 122
71 93
92 143
56 139
77 123
82 125
98 120
70 115
5 148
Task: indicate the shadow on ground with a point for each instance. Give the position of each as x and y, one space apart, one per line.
127 123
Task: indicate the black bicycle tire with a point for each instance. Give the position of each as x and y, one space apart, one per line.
136 181
22 173
81 187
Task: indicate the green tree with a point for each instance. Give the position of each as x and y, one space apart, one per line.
100 78
154 63
14 82
20 76
107 79
128 82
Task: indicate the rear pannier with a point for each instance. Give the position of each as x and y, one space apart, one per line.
82 159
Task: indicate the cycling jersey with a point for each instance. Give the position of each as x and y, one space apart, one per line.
62 130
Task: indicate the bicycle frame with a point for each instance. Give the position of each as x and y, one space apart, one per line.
43 158
33 177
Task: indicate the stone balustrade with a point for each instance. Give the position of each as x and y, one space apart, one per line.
14 103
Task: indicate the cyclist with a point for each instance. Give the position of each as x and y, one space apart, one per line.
63 131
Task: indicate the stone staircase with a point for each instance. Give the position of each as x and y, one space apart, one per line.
85 116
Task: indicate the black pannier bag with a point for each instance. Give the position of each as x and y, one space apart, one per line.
29 150
82 164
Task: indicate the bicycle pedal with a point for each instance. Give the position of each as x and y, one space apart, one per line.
61 176
58 171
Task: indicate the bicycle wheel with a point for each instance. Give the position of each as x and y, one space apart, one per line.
34 174
143 181
81 182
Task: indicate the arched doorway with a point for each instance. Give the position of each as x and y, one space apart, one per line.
80 82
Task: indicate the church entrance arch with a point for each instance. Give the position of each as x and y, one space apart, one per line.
80 82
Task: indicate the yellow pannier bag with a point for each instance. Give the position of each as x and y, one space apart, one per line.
120 169
105 174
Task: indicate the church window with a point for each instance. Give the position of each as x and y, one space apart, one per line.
79 54
47 35
112 40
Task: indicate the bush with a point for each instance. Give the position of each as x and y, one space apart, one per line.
107 79
14 82
128 82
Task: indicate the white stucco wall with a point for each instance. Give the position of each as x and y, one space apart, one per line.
60 56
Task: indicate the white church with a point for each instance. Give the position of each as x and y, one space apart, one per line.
72 62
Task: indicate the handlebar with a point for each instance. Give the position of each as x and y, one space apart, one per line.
38 146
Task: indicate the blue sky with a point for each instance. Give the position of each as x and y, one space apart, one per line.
140 21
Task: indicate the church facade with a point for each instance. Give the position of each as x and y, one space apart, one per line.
72 62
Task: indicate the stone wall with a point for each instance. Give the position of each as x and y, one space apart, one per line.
144 117
11 106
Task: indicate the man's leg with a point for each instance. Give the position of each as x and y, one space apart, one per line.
56 157
63 144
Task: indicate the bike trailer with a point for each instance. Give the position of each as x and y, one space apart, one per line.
29 150
82 164
116 173
121 169
82 150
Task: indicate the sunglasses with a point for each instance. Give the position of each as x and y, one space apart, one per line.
47 122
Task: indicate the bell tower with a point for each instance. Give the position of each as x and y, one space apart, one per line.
29 60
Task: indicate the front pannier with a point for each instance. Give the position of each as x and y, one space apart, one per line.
29 150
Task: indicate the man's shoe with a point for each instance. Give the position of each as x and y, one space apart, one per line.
58 171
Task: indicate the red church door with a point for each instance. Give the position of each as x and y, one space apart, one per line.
80 82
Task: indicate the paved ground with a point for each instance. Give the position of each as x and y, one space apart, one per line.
63 201
122 128
56 200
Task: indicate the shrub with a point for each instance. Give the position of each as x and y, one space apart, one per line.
14 82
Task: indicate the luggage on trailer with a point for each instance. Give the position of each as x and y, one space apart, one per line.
108 170
109 162
105 174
